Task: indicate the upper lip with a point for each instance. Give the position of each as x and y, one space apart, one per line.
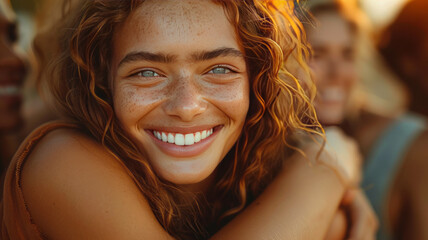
183 130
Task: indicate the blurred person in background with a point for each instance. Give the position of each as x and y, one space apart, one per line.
36 108
394 148
12 73
404 46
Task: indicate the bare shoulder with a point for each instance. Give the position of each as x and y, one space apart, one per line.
64 148
75 189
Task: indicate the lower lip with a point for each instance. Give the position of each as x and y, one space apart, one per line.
185 151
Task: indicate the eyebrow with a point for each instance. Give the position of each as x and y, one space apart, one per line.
220 52
166 58
147 56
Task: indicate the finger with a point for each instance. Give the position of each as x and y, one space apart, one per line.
348 197
362 217
338 226
370 235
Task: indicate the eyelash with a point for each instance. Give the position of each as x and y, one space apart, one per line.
140 73
228 70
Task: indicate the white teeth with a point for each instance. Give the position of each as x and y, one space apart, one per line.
189 139
179 139
183 139
157 135
171 138
164 137
197 137
9 90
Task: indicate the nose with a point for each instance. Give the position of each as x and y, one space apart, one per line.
185 101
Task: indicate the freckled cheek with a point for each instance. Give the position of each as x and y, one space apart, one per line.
132 103
232 99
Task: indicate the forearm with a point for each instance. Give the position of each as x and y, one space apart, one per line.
296 205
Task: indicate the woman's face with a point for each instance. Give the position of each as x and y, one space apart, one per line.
12 72
180 86
333 66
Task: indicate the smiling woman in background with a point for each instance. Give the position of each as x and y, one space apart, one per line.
181 122
394 148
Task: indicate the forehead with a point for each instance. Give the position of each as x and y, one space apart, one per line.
332 29
175 26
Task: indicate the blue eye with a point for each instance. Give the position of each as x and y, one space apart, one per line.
147 73
220 70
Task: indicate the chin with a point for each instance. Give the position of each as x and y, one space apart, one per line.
184 177
328 117
186 171
188 178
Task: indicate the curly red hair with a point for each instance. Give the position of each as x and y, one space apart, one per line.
280 100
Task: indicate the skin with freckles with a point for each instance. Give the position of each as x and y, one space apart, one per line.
171 75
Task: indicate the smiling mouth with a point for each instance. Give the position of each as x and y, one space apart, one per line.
184 139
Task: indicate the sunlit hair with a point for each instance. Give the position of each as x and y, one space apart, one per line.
280 106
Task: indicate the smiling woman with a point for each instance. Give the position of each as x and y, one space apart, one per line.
166 81
182 121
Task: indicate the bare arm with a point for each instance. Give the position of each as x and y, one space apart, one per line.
299 204
302 201
75 190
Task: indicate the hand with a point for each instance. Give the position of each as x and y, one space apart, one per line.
338 226
363 220
354 219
